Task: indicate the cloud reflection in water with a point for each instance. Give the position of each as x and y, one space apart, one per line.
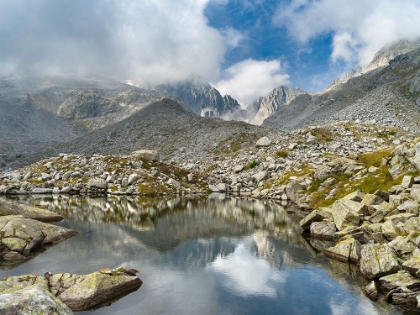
247 275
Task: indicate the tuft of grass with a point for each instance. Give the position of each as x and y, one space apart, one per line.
392 132
282 153
251 165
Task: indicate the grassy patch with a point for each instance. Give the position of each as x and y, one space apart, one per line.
251 165
282 153
374 158
323 134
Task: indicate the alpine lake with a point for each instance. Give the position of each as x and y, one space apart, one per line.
202 255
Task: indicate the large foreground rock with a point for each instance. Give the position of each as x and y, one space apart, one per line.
43 294
19 236
32 300
8 207
82 292
378 260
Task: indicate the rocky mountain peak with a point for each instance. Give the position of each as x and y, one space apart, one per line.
201 97
381 59
266 105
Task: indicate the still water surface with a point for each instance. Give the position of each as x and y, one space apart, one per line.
206 255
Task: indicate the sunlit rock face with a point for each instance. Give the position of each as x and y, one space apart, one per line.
201 97
267 105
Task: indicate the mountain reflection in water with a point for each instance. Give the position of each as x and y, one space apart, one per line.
203 255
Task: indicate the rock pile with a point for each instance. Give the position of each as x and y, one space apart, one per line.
379 232
139 174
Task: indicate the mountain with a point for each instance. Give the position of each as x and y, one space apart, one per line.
173 130
38 113
203 99
388 95
267 105
381 59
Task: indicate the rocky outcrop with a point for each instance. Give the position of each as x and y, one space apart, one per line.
8 207
32 300
20 237
82 292
267 105
33 294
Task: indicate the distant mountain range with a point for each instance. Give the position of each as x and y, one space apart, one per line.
41 113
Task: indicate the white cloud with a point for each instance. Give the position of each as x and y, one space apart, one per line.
233 37
360 28
250 79
247 275
147 40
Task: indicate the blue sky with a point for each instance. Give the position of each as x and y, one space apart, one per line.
244 48
308 65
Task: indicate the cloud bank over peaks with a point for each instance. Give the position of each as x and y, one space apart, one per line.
250 79
148 41
359 28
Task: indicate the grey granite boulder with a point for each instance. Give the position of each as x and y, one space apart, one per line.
378 260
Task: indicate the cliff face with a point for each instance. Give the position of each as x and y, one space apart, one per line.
265 106
203 99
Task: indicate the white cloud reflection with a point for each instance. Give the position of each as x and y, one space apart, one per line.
246 274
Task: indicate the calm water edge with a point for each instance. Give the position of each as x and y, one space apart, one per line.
203 255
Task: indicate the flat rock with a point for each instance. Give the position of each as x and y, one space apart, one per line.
39 190
400 279
378 260
82 292
148 155
8 207
98 183
346 250
19 236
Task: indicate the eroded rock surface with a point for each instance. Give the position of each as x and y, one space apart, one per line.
19 236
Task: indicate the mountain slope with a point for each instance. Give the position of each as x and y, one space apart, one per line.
168 127
386 95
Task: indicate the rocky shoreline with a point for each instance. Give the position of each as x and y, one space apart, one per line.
360 181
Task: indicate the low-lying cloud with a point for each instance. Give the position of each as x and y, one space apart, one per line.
152 41
360 28
250 79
